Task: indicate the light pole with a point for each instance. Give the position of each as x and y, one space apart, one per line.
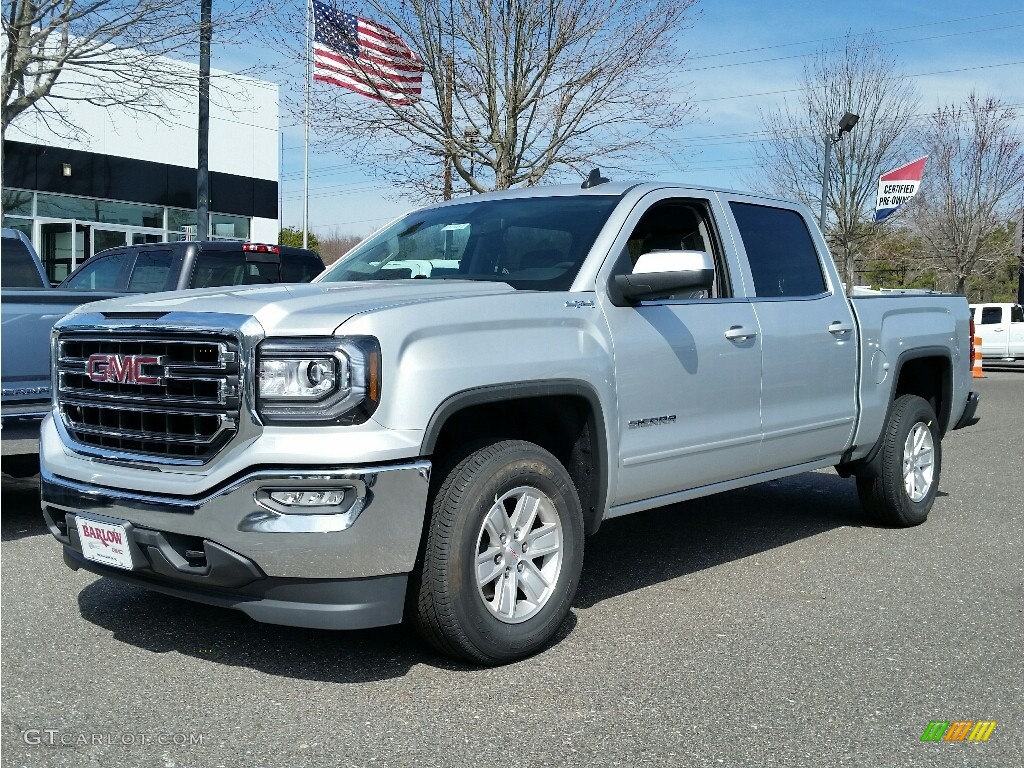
845 126
203 150
471 136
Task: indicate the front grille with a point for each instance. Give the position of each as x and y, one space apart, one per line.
152 394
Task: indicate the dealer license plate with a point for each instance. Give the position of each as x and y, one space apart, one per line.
105 543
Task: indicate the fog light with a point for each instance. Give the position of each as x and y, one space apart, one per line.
309 498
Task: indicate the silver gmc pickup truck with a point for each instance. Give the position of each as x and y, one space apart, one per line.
432 428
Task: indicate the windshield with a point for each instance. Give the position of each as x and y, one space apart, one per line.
536 243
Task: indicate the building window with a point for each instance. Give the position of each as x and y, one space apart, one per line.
16 222
227 227
181 224
102 211
17 202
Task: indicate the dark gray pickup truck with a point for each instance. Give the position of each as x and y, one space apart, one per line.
30 307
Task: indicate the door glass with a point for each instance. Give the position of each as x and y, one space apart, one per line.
780 251
101 273
106 238
152 272
991 315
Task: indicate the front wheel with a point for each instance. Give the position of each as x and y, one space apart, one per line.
503 555
903 494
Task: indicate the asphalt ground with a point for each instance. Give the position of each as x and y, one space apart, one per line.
771 626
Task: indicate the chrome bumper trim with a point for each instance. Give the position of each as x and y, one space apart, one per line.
377 534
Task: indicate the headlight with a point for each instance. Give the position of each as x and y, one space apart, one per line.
318 381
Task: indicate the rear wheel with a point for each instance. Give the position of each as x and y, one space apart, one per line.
503 555
911 463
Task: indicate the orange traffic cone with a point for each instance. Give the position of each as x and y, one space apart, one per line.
977 371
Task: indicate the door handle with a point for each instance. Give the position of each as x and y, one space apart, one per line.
739 333
839 327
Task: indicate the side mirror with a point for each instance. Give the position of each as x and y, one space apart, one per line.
661 273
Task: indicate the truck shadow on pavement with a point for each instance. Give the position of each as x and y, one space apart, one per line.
637 551
19 498
628 554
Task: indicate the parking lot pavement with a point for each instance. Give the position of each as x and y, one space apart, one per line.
770 626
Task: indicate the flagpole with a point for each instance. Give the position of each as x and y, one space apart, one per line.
305 145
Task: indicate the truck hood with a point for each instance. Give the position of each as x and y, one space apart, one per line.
300 309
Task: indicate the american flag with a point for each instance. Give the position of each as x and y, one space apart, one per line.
364 57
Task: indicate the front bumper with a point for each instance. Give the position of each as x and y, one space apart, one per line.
232 548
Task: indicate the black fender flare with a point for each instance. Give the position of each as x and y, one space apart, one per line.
520 390
870 464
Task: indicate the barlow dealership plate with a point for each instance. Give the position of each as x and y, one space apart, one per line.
105 543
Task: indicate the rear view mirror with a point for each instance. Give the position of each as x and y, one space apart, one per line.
661 273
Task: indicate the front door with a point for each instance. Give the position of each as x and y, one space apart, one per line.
688 379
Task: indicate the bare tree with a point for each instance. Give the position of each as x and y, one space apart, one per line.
971 187
107 53
858 76
516 90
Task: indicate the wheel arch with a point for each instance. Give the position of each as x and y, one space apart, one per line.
926 372
564 416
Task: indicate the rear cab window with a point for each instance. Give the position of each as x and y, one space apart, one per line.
222 268
299 268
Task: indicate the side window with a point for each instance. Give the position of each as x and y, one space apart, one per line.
1017 314
678 225
101 273
991 315
782 256
152 272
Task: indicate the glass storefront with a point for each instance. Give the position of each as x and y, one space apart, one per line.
67 230
105 211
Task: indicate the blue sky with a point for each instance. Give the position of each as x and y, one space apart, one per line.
737 49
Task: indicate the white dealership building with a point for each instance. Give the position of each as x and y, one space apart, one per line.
101 177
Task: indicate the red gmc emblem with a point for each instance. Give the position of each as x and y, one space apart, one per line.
121 369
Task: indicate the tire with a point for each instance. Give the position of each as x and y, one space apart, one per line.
483 599
903 494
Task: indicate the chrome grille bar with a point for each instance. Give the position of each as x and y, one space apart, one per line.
155 394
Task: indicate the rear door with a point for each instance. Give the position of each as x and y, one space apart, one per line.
808 340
